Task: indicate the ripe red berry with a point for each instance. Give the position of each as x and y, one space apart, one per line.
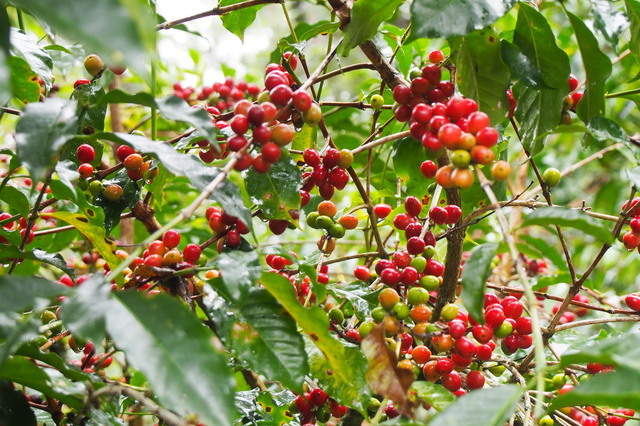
633 302
338 177
318 397
191 253
477 121
494 317
362 273
256 115
434 267
390 276
80 82
454 213
382 210
415 245
432 74
239 124
413 206
438 215
436 56
573 83
311 157
475 380
278 226
488 137
271 152
85 153
402 94
281 94
124 151
302 100
337 410
452 381
402 220
171 238
331 157
85 170
444 366
429 169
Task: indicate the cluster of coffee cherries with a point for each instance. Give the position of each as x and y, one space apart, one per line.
324 218
328 171
220 95
440 120
22 226
316 405
226 225
570 102
631 238
90 361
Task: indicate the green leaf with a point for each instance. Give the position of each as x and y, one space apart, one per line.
408 155
618 388
175 108
475 272
354 294
24 82
546 250
434 18
84 311
305 138
113 209
91 113
120 32
239 271
263 337
94 234
168 344
315 324
22 293
5 31
25 372
356 392
15 199
38 59
487 407
118 96
227 193
536 41
612 350
435 395
277 191
53 259
572 218
481 74
239 20
609 20
538 113
522 67
606 130
633 13
42 131
597 66
366 17
64 188
32 350
14 407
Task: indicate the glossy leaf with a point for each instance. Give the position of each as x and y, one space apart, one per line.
433 394
633 13
24 82
475 273
23 371
53 259
606 130
239 271
21 293
167 343
238 21
305 138
615 350
383 374
366 17
433 18
118 96
5 29
572 218
14 407
227 193
42 131
618 388
481 74
91 112
32 350
487 407
277 191
127 33
84 312
538 113
113 209
64 187
94 234
521 66
38 59
264 338
15 199
597 66
355 393
313 321
408 155
175 108
609 20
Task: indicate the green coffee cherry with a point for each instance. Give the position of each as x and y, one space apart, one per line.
400 310
324 222
312 219
417 296
430 282
376 102
449 312
551 177
378 313
365 328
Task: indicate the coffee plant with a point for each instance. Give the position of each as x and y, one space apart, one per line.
407 213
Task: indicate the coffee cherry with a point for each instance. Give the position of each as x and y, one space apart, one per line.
462 178
475 380
80 82
233 239
327 208
390 276
349 221
388 297
270 152
93 64
482 155
346 158
428 169
501 170
432 73
454 213
337 410
449 312
436 56
377 102
573 83
438 215
443 177
460 158
85 170
282 134
402 94
171 238
415 245
382 210
551 177
302 100
191 253
362 273
113 192
313 115
449 135
633 302
421 354
133 162
85 153
338 177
